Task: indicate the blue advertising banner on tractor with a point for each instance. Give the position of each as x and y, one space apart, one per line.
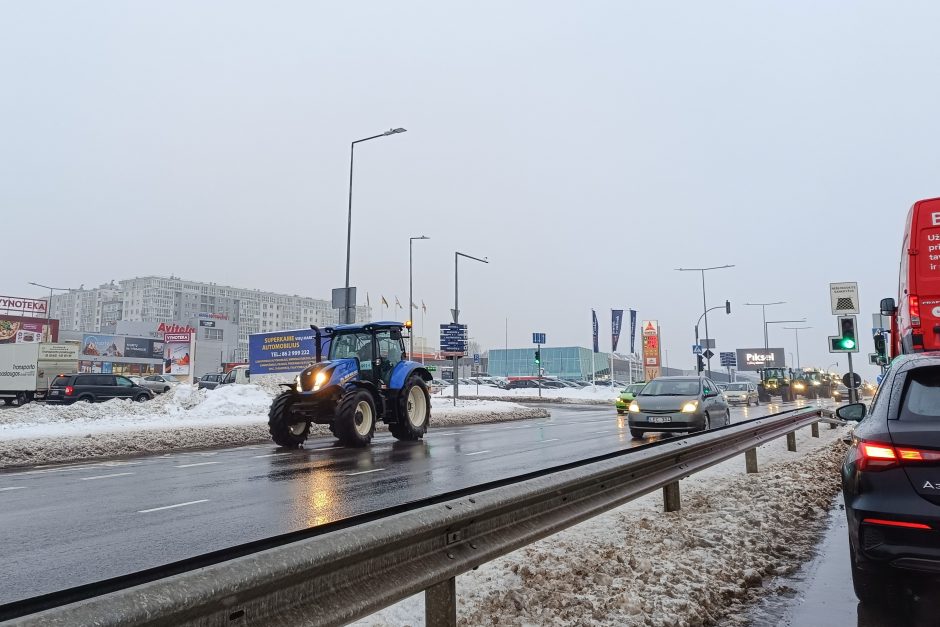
283 351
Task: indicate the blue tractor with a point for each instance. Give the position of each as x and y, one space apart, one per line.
365 377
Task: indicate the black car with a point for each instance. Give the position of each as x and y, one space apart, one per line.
891 478
94 388
209 381
517 384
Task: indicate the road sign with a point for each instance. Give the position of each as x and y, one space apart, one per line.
476 358
454 339
728 360
852 380
873 359
708 354
538 338
696 349
844 298
708 343
431 368
454 313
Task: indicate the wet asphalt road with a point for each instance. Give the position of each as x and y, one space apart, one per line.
68 525
823 593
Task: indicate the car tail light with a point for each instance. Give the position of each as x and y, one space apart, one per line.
896 523
914 306
875 456
69 390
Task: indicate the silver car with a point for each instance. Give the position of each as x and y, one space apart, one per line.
741 394
670 404
159 383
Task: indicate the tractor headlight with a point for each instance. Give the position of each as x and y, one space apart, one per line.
799 386
319 380
297 385
634 407
816 383
690 407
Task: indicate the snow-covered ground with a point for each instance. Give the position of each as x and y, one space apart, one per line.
636 565
184 417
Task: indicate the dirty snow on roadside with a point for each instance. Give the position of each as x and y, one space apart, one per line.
637 565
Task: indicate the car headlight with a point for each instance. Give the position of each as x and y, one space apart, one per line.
634 407
297 385
690 407
319 380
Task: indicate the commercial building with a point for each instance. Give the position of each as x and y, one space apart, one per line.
564 362
158 300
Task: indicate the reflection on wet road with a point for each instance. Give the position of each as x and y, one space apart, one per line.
80 523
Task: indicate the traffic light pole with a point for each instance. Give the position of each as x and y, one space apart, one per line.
853 391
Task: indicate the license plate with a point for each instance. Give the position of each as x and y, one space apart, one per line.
659 418
54 393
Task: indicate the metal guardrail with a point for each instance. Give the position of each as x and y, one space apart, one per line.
343 575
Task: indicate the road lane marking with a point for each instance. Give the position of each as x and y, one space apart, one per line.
116 474
551 440
363 472
260 456
478 453
604 431
157 509
327 448
197 464
447 433
15 487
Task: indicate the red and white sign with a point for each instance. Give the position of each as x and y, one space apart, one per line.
175 328
651 349
25 305
177 337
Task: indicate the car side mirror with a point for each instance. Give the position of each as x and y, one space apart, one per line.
854 412
888 307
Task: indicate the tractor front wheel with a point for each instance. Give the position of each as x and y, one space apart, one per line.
414 411
285 430
355 419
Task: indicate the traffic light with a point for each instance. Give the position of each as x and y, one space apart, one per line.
538 356
848 341
701 362
728 307
880 345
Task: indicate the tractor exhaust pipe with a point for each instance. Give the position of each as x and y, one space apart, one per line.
317 336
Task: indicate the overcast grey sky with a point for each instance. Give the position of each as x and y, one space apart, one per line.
586 148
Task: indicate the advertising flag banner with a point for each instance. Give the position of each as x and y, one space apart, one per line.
594 322
616 322
633 330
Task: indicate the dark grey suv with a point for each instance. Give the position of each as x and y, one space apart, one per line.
669 404
94 388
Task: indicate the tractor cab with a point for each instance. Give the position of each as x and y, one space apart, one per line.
378 348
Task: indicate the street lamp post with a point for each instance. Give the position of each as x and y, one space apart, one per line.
704 305
457 256
726 307
411 296
763 310
49 306
796 332
352 154
779 322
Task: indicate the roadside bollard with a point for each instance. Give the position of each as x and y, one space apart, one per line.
440 604
750 460
671 501
814 429
791 441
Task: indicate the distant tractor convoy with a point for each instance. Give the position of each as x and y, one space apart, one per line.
365 378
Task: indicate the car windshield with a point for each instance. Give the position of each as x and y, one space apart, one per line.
774 373
347 345
635 388
668 387
922 396
737 387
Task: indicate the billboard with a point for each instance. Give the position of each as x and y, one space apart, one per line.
751 359
140 348
282 351
177 353
27 330
651 349
34 306
99 345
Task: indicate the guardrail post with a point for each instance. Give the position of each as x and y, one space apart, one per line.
814 429
440 604
833 425
750 460
791 441
671 502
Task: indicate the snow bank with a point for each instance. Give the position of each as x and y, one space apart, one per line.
637 565
184 417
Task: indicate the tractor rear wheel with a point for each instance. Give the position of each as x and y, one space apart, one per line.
286 430
355 419
414 411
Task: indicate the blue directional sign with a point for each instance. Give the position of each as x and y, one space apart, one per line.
729 360
476 358
454 338
538 338
697 349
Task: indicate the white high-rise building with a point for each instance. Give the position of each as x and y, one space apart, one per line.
162 299
91 310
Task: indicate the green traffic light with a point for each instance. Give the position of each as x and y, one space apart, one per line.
848 343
